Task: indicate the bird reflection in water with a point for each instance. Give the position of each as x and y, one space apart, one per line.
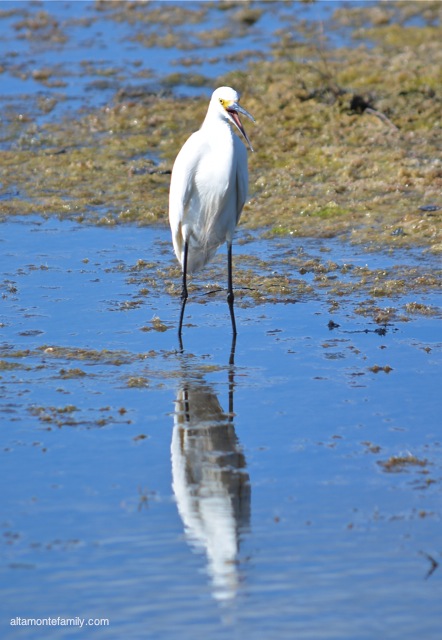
209 478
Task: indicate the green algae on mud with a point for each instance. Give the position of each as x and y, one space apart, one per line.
397 464
327 169
45 354
72 416
285 276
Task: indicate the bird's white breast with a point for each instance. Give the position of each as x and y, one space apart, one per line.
211 210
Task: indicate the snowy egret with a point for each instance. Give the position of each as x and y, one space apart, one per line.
208 190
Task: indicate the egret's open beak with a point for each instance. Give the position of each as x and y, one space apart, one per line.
233 111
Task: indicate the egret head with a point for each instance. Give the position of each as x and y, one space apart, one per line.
226 101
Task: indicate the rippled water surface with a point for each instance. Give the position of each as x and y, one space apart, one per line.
178 493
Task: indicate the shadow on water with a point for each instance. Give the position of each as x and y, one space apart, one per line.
209 477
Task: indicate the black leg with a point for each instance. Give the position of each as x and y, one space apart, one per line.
232 377
232 350
184 294
230 296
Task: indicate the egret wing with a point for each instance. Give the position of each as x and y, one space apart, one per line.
182 185
242 178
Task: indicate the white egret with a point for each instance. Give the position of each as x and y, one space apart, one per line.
208 190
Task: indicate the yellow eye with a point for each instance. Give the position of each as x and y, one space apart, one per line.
222 101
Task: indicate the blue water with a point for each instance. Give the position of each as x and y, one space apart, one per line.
98 522
100 52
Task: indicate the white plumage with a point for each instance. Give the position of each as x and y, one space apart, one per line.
209 188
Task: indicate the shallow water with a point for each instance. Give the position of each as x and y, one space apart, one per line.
79 54
177 494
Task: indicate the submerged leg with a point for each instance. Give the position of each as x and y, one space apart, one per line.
184 294
230 296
